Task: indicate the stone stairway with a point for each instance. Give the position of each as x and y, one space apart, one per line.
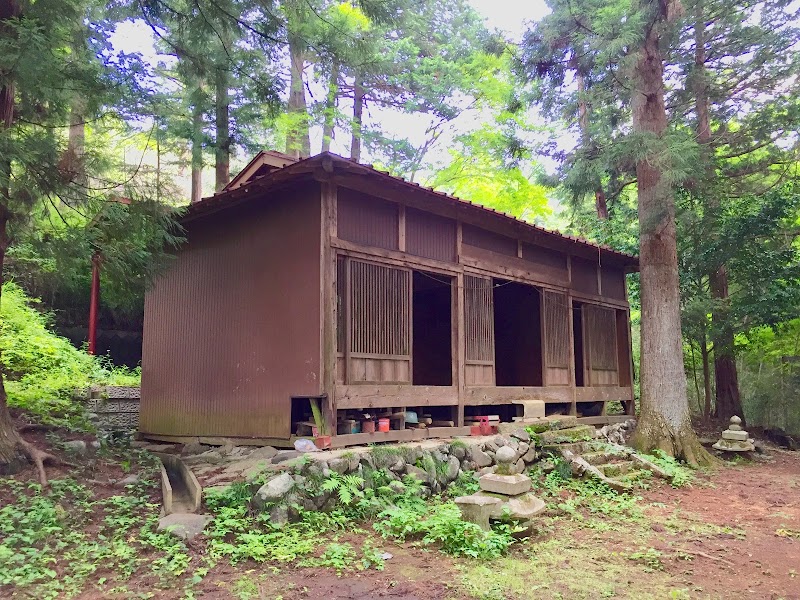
616 465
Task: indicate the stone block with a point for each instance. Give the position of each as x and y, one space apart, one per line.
478 509
480 458
571 434
532 409
525 507
184 525
508 485
736 436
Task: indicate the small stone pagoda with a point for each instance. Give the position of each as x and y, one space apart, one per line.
502 495
734 438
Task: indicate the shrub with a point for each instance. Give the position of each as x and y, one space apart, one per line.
442 524
41 369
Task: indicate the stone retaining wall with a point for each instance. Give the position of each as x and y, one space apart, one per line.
436 465
114 407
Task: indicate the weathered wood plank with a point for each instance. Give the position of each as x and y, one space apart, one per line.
478 396
602 394
388 396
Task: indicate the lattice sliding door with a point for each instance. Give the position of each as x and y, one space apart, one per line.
557 346
479 330
380 324
600 339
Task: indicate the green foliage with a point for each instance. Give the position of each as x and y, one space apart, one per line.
42 370
347 487
48 549
441 524
680 475
339 556
465 484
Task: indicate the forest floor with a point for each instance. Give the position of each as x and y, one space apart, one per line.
730 533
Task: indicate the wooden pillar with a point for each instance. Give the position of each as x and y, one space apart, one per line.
460 354
570 327
328 309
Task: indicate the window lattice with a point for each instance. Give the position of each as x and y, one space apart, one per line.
478 318
601 337
381 311
556 330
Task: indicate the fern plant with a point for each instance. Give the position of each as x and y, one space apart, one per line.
347 487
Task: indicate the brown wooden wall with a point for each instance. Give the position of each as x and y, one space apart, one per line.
232 330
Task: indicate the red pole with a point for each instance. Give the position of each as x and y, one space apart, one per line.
94 302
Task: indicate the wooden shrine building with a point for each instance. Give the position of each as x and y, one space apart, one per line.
327 279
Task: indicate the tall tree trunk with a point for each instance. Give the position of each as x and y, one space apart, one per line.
11 459
706 379
728 400
76 141
298 139
726 375
223 124
330 108
600 204
197 151
358 118
664 422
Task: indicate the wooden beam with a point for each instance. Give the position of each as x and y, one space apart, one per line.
478 396
393 395
393 257
602 394
511 266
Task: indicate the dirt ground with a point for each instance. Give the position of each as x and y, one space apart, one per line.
733 533
729 535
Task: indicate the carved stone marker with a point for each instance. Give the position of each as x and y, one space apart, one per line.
734 438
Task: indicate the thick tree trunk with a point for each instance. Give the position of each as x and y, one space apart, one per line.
13 449
298 139
664 422
197 152
330 109
223 124
11 459
358 118
728 400
726 375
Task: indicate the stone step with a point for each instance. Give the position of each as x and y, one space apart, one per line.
598 457
553 423
633 476
615 469
579 433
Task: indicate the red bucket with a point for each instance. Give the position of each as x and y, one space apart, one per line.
383 424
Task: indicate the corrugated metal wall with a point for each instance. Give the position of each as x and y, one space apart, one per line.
584 275
232 330
613 282
367 220
489 240
430 236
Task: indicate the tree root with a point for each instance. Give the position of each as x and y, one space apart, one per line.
38 427
704 555
682 444
38 458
